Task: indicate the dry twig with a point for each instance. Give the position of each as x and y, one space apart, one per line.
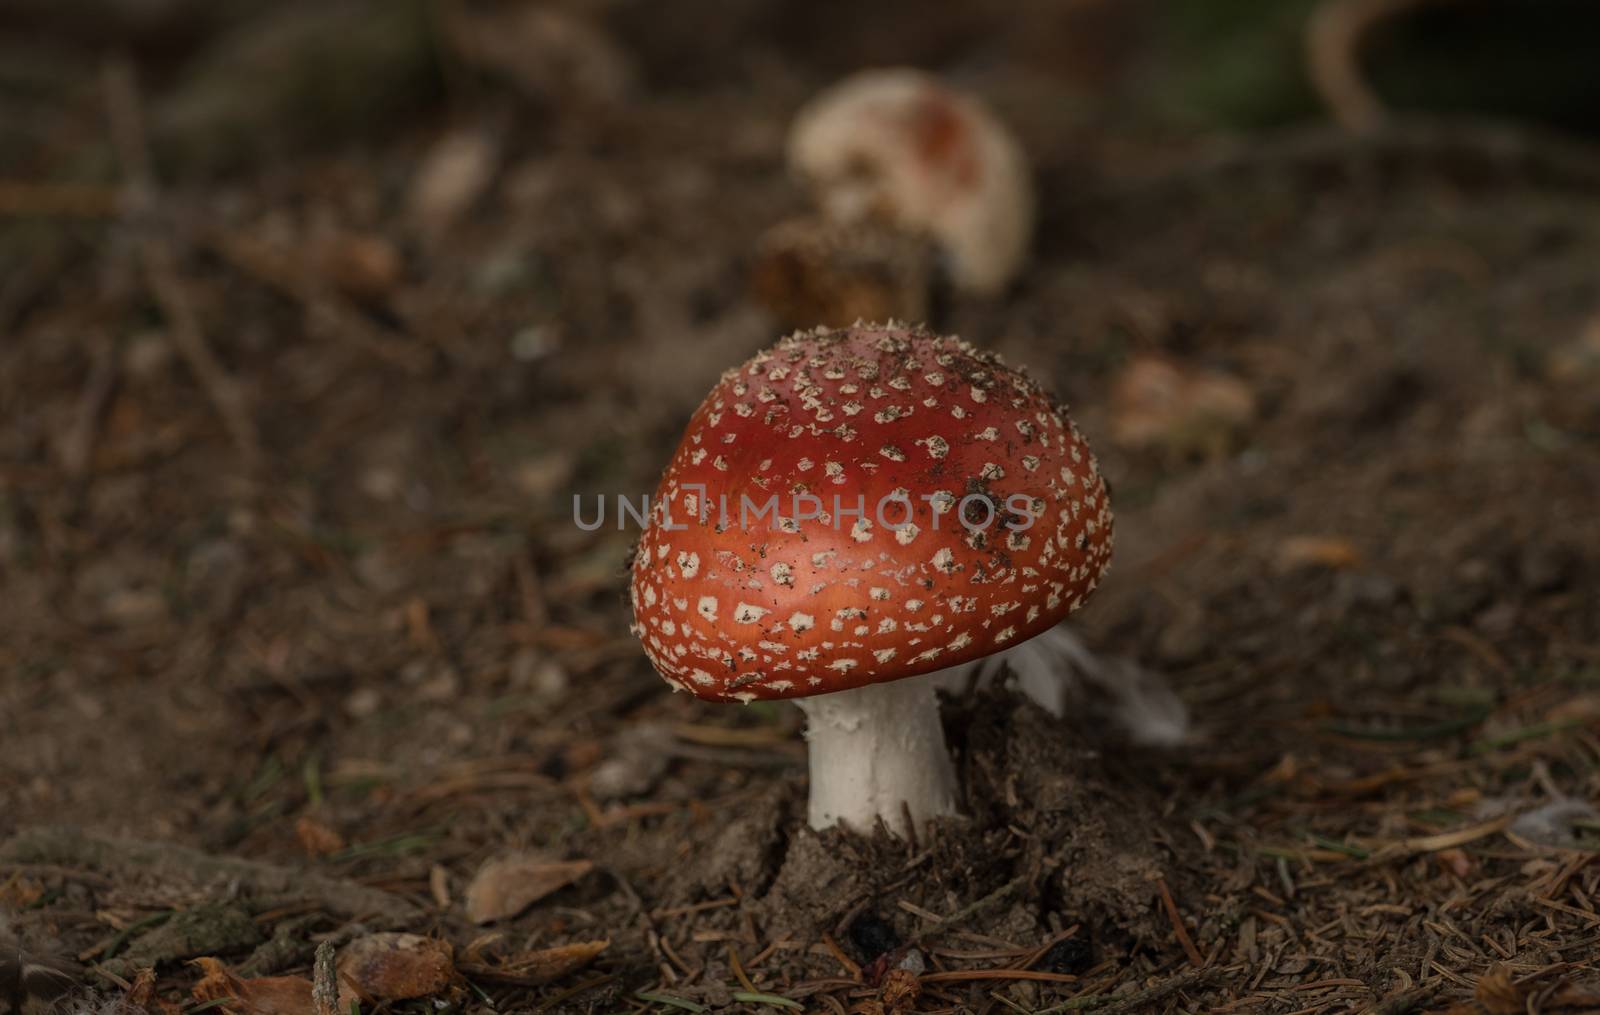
965 913
1171 906
1335 34
1139 1000
326 311
160 262
57 199
121 858
325 982
98 387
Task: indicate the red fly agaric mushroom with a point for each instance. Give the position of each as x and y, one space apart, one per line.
898 145
850 514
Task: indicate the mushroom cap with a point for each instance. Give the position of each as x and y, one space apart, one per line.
897 144
983 518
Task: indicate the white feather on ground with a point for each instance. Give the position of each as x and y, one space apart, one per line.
1556 822
1058 672
29 984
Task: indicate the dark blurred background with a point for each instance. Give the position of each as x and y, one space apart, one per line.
237 85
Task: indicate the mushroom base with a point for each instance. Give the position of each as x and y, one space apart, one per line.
878 752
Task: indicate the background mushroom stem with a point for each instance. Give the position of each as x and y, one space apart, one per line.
878 752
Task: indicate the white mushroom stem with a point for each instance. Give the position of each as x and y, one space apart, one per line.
878 752
1056 670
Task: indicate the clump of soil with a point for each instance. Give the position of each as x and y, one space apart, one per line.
1046 816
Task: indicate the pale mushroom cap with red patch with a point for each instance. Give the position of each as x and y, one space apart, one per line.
769 605
896 143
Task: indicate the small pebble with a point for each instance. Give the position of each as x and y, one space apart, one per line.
913 962
363 703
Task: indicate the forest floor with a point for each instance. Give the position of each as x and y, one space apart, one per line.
298 632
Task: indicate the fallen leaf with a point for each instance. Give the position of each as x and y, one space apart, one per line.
484 948
582 755
1578 359
439 885
364 266
1284 772
453 175
142 996
1184 410
419 626
543 475
1330 552
1456 861
142 991
1497 992
1466 797
1580 708
267 995
394 967
18 892
506 885
316 838
549 964
1572 999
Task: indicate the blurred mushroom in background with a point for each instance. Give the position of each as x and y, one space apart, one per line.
893 159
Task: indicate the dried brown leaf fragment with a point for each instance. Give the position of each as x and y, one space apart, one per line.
395 967
504 886
267 995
